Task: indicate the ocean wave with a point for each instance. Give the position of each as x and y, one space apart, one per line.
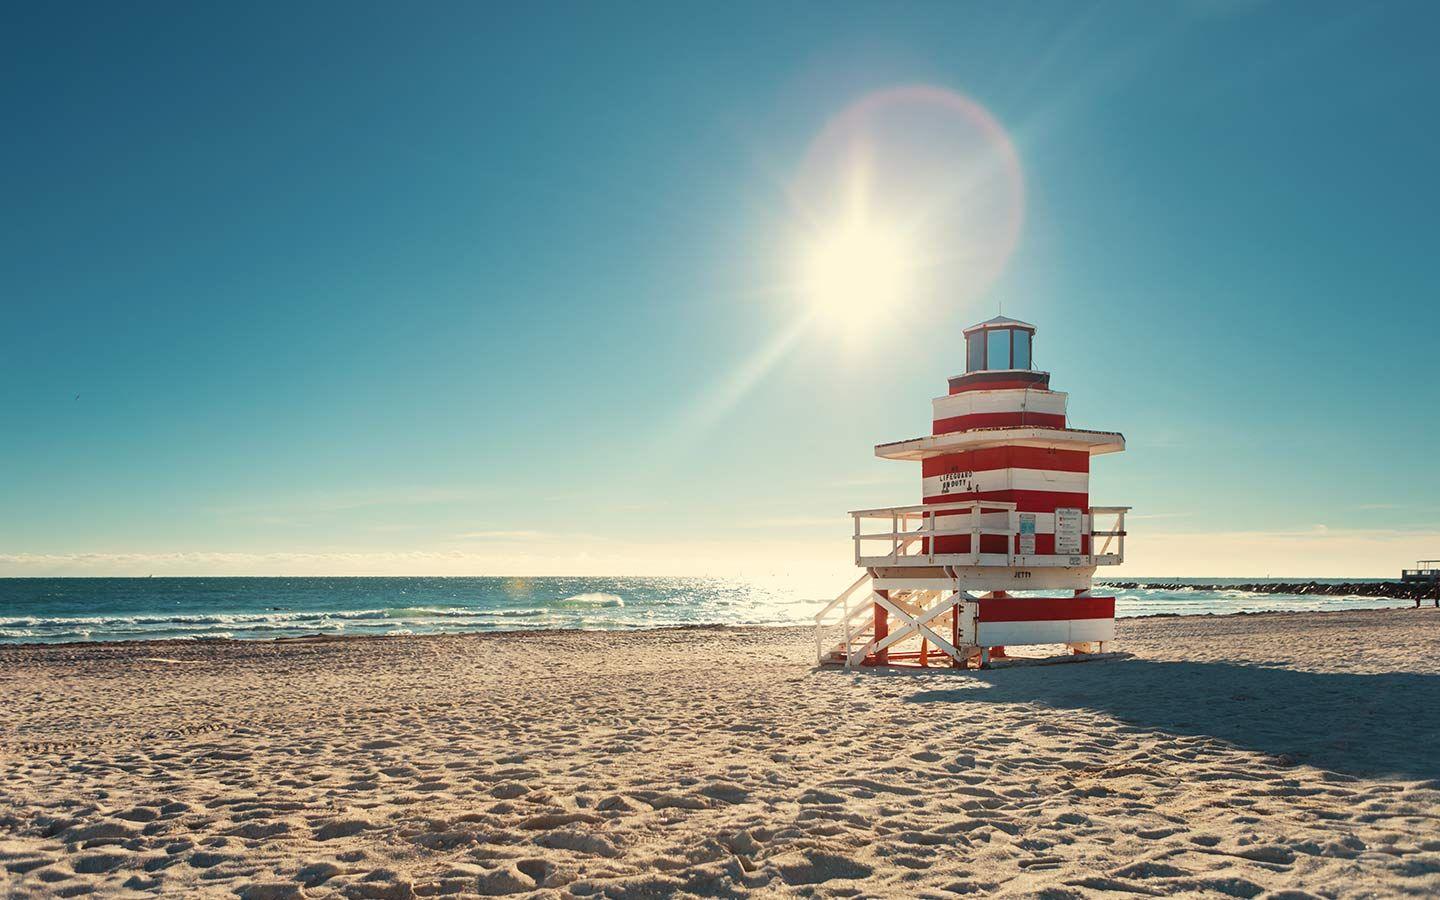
177 619
427 612
277 624
243 619
593 599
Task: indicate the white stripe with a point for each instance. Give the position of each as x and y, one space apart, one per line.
972 403
1058 631
965 482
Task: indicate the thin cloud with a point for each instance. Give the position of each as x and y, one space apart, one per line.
316 504
1315 552
804 521
898 475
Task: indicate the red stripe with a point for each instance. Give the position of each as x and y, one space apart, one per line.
995 543
996 420
960 543
978 380
1007 458
1045 609
1026 501
995 386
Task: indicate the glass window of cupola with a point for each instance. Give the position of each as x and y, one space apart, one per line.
997 349
975 352
1020 352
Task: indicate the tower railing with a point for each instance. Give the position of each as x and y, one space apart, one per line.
917 536
1111 551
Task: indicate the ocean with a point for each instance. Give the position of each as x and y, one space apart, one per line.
109 609
55 609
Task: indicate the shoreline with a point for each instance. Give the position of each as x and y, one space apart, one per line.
320 637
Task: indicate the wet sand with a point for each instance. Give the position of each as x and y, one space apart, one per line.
1291 754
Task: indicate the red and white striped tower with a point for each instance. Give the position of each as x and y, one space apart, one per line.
1005 508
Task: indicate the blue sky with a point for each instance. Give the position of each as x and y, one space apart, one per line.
353 288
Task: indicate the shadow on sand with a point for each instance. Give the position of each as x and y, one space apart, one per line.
1385 724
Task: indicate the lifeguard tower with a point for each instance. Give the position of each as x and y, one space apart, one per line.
1005 508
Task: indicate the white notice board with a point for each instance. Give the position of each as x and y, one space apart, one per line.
1067 531
1027 533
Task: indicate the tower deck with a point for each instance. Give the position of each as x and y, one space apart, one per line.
939 536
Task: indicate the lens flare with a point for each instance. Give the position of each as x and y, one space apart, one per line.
909 196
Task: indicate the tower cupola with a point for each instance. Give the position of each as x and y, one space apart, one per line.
999 353
999 344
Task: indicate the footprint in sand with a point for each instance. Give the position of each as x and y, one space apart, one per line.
99 863
507 879
140 814
584 842
316 873
339 828
816 867
726 792
1151 869
509 790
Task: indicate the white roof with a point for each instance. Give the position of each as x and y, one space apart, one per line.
1097 442
998 322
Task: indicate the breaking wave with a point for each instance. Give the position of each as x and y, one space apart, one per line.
593 599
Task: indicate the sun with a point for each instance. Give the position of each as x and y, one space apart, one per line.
856 274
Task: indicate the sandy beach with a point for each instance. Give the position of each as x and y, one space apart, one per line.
1279 754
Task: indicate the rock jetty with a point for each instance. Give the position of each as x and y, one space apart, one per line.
1397 590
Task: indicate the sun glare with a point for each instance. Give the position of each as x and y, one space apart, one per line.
908 197
857 273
